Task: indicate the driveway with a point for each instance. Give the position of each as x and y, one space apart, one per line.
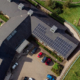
31 66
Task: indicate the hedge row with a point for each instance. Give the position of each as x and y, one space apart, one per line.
52 53
33 3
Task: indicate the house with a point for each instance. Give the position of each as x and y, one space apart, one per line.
24 22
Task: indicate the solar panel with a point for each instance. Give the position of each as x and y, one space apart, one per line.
58 44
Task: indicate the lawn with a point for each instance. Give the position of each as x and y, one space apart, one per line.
74 73
72 0
72 15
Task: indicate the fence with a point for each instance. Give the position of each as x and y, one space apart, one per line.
70 67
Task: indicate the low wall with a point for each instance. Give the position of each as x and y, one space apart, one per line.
72 30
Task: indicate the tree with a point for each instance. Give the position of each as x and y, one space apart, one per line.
48 2
67 4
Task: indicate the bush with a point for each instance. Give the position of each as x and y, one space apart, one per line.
52 53
57 11
57 18
53 5
32 2
57 68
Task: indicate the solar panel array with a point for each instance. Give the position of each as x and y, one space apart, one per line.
58 44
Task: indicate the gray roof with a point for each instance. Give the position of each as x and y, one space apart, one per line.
42 31
16 17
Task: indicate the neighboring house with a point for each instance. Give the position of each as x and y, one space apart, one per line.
21 26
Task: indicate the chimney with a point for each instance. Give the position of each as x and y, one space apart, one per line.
9 0
30 12
20 6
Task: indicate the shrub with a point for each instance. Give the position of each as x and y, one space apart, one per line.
57 11
32 2
53 5
48 2
52 53
67 4
57 68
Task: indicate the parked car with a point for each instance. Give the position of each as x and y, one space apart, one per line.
30 79
25 78
15 65
44 59
50 77
34 50
48 61
40 54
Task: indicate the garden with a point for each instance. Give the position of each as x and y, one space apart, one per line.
74 73
57 69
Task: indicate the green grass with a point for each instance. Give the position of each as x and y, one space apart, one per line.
44 5
72 15
72 0
3 17
0 23
74 73
57 69
56 66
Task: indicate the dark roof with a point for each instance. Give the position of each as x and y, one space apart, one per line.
7 54
56 41
23 31
16 17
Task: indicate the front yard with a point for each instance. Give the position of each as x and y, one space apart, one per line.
74 73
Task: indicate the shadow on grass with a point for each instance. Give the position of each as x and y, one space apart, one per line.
74 5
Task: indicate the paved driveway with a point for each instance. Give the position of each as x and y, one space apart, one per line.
31 66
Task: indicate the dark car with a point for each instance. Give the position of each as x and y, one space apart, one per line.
34 50
48 61
44 59
25 78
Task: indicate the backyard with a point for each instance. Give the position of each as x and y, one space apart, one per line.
74 73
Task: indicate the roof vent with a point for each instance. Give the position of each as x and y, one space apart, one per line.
53 29
20 6
9 0
30 12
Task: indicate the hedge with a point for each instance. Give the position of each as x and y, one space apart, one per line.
52 53
57 69
33 3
